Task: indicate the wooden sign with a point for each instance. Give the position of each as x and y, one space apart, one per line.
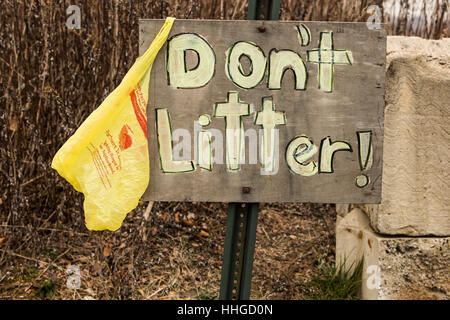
266 111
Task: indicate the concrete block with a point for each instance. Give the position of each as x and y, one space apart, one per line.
394 267
416 166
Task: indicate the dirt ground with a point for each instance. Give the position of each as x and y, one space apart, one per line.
173 252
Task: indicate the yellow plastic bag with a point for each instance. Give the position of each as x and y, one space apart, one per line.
107 157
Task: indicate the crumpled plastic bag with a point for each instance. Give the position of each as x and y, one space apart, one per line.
107 157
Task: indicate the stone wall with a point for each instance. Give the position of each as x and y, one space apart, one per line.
416 159
394 267
405 239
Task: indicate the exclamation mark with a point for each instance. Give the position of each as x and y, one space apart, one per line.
365 157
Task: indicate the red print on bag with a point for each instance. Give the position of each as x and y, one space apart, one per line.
139 106
125 140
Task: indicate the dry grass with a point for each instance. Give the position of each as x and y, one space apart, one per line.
52 78
175 254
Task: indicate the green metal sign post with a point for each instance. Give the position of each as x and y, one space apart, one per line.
242 218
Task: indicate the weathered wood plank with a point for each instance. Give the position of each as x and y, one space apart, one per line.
355 104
